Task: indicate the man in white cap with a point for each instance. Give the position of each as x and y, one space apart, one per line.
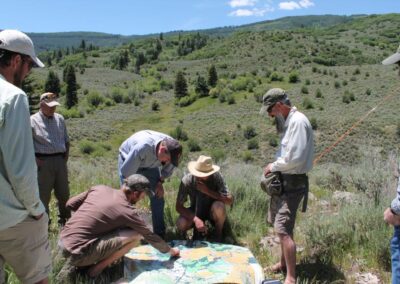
24 241
293 161
208 195
392 214
51 143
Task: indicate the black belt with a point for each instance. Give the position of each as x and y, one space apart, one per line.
40 155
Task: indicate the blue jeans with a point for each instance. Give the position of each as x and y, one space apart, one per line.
156 204
395 251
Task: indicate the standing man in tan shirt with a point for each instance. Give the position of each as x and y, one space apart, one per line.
51 143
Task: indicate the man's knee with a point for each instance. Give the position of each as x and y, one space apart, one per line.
218 211
129 235
183 224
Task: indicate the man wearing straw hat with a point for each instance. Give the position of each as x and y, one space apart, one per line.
208 195
392 214
293 161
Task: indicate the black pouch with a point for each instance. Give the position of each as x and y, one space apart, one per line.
272 184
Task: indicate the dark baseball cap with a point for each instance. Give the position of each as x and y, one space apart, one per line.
272 97
174 149
137 182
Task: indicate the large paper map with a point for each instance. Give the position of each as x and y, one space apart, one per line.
200 262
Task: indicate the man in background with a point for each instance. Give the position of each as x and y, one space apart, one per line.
51 143
154 155
392 214
24 241
293 160
105 225
208 195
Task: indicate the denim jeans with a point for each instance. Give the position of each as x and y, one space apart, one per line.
395 251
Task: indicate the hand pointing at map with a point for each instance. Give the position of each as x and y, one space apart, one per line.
174 252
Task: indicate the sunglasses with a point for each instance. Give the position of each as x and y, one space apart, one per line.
27 59
269 109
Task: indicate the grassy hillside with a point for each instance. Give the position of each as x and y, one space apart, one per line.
51 41
332 73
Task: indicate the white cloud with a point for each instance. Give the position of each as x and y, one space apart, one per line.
250 12
242 3
306 3
296 5
289 5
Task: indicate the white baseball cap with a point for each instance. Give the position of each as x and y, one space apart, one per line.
19 42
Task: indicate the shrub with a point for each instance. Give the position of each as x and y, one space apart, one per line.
231 100
314 123
348 97
94 99
217 154
273 142
307 103
249 132
126 99
193 145
252 144
155 105
116 96
276 77
179 133
368 92
71 113
87 147
304 90
318 93
337 85
293 77
247 156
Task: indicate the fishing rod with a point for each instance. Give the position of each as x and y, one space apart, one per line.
344 135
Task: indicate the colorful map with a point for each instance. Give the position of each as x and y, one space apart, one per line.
200 262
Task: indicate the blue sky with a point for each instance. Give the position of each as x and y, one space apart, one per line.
130 17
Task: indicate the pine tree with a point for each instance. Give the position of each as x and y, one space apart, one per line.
180 85
52 83
28 85
140 60
71 91
212 76
83 45
201 87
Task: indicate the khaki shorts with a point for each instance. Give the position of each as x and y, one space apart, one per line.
97 251
282 212
25 247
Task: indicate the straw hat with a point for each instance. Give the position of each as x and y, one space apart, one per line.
203 167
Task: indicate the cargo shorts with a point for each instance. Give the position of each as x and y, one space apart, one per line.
97 251
282 212
25 247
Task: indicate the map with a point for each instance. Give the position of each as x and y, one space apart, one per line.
200 262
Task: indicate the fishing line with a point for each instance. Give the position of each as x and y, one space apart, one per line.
344 135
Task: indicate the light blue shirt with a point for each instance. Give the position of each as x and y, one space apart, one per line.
395 206
19 192
139 151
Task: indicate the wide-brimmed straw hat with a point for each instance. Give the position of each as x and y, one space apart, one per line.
203 167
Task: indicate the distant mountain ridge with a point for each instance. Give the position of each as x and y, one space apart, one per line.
51 41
